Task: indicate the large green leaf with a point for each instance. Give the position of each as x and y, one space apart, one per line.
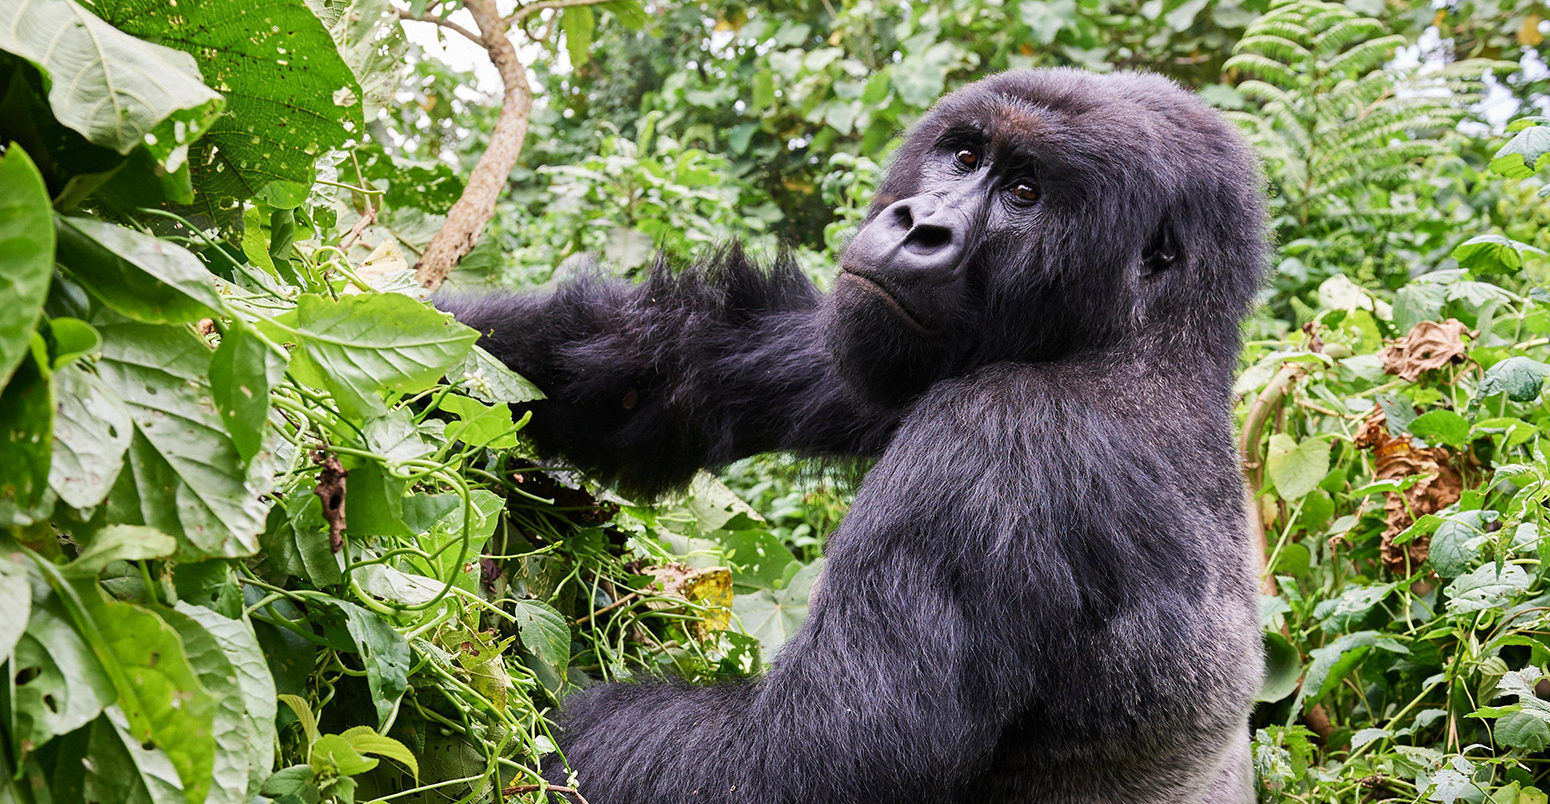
1524 154
491 380
226 656
124 768
184 474
382 650
1296 468
60 686
242 371
92 430
26 425
143 277
165 704
15 602
1519 377
773 616
289 96
116 90
362 343
544 632
26 251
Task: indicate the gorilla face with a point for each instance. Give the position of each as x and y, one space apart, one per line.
1030 216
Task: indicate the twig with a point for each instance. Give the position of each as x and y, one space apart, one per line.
604 610
443 22
534 788
534 8
366 220
474 209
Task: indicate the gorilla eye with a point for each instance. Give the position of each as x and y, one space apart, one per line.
967 158
1025 191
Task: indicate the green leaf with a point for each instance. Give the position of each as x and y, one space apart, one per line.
1519 377
60 686
383 652
1283 667
304 716
370 341
577 23
239 744
184 474
119 543
1486 588
15 602
242 372
92 430
1492 254
1441 427
1459 541
26 251
159 691
70 339
772 616
124 768
1297 468
115 90
366 740
758 557
333 754
544 632
1524 154
140 276
1335 661
290 96
1522 730
479 424
237 640
26 427
487 378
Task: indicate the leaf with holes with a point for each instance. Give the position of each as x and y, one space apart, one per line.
92 429
184 475
115 90
289 95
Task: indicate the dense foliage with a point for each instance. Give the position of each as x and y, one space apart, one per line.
271 532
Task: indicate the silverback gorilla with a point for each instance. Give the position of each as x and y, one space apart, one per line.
1044 591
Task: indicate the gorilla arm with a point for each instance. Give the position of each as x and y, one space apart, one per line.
871 701
647 383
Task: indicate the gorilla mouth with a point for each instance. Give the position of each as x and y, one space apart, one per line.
870 286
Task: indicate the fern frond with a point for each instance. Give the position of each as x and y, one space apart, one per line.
1365 56
1263 68
1345 33
1276 47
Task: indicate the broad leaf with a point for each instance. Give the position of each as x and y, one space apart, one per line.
1493 254
362 343
184 475
115 90
92 430
383 652
1519 377
159 691
544 633
26 251
60 686
242 372
490 380
1296 468
27 416
140 276
15 602
119 543
772 616
1524 154
1441 427
126 768
290 96
1486 588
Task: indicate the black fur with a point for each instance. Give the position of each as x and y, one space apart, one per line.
1044 590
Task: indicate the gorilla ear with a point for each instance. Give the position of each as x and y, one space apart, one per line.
1162 250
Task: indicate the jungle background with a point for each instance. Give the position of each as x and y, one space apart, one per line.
271 534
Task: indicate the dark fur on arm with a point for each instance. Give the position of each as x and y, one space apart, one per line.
647 383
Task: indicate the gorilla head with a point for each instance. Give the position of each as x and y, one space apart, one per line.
1033 215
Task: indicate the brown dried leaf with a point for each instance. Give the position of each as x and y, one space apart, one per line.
1429 345
330 491
1394 458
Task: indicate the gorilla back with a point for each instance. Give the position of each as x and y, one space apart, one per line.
1043 591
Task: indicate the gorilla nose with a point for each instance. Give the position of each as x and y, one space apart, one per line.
930 234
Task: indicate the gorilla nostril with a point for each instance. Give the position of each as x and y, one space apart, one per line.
928 238
902 216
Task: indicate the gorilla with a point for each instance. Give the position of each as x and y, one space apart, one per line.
1044 591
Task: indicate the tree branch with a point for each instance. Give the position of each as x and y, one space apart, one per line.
443 22
1268 400
534 8
473 210
534 788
